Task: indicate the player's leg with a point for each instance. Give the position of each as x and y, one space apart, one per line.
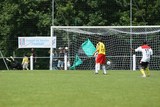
53 65
58 65
142 69
97 68
8 60
23 66
103 63
104 69
143 72
12 58
27 66
147 70
62 65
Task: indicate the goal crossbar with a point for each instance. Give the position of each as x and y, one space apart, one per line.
109 29
106 27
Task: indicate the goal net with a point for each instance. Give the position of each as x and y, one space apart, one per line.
118 40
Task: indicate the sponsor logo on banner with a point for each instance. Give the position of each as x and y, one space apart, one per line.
36 42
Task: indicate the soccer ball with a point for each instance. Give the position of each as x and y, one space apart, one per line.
108 62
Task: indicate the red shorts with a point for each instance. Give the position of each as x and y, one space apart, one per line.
101 58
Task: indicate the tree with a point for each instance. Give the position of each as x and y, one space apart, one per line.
34 17
23 18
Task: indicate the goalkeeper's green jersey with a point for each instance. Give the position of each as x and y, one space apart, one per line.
101 48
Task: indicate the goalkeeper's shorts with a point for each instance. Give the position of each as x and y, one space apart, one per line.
101 58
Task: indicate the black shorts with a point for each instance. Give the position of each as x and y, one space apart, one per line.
144 65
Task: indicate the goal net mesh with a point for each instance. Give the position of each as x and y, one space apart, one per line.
118 40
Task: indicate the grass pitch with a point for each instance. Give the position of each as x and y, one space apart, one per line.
78 89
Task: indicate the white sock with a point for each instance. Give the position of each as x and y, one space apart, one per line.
96 68
104 69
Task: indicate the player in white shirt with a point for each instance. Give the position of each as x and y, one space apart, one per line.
146 55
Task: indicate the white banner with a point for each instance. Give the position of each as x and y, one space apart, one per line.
36 42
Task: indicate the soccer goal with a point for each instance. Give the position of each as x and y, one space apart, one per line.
118 40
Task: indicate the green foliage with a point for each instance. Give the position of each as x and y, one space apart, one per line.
34 17
23 18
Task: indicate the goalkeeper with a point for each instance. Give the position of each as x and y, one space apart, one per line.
146 54
101 57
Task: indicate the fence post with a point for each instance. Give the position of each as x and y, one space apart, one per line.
134 62
65 61
31 62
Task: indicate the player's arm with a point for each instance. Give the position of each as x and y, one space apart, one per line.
139 49
97 47
95 53
133 50
8 60
151 52
136 50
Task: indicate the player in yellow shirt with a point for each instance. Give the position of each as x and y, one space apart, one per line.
101 58
25 62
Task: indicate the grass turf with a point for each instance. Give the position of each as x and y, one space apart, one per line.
78 89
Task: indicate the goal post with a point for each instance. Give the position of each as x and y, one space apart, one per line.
118 40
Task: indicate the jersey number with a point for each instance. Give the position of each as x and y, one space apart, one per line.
147 52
